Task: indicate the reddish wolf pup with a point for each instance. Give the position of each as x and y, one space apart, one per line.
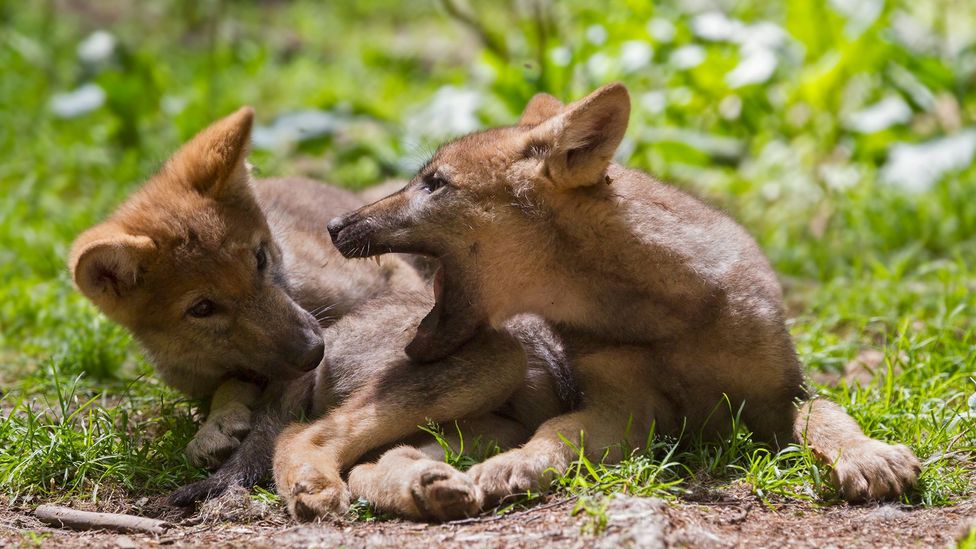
667 306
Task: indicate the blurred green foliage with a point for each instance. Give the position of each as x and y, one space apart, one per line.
841 133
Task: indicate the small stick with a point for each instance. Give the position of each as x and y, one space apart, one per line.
64 517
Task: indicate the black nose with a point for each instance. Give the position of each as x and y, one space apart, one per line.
336 225
313 356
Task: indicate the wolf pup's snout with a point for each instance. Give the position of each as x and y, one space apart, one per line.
348 234
336 225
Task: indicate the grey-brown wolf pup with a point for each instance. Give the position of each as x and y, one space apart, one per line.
214 273
666 305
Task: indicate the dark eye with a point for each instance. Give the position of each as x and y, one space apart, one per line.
202 309
262 256
432 183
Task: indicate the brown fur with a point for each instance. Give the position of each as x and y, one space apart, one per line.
370 394
668 305
193 231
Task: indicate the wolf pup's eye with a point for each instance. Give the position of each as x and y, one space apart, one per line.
202 309
433 182
262 257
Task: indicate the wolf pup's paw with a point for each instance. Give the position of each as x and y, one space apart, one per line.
219 436
874 470
315 495
506 474
441 492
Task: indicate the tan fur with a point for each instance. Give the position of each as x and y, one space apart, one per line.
668 306
369 394
192 232
227 423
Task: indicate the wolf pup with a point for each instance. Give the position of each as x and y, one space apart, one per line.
209 269
226 281
667 305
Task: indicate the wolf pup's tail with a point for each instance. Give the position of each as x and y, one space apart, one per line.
863 468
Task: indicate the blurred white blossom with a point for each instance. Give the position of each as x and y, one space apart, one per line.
653 102
561 56
294 127
635 55
880 116
97 48
661 29
916 167
600 65
687 57
755 68
80 101
596 34
452 111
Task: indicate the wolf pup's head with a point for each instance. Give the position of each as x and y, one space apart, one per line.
189 266
483 206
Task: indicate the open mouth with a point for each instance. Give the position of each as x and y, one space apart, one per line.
451 322
430 323
453 319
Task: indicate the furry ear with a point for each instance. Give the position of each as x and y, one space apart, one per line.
106 263
215 160
541 107
580 142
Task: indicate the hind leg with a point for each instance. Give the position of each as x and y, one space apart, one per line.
406 482
618 414
863 468
414 482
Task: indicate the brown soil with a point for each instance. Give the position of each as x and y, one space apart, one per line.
739 520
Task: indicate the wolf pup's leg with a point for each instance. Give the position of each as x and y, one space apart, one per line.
618 412
407 482
863 468
226 425
251 461
414 481
309 460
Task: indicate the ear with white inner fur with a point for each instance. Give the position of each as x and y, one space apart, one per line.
214 162
579 143
107 265
541 107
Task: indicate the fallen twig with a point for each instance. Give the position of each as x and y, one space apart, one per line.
64 517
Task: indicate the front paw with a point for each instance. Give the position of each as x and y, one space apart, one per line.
506 474
441 492
873 470
313 494
219 436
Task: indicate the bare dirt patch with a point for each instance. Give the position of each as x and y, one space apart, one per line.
736 521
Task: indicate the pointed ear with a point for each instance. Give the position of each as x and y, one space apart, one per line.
541 107
579 143
215 160
107 263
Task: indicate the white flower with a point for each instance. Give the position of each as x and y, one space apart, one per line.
78 102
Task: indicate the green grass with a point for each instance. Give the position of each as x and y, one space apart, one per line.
867 265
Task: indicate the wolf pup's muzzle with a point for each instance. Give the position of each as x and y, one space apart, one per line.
351 233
